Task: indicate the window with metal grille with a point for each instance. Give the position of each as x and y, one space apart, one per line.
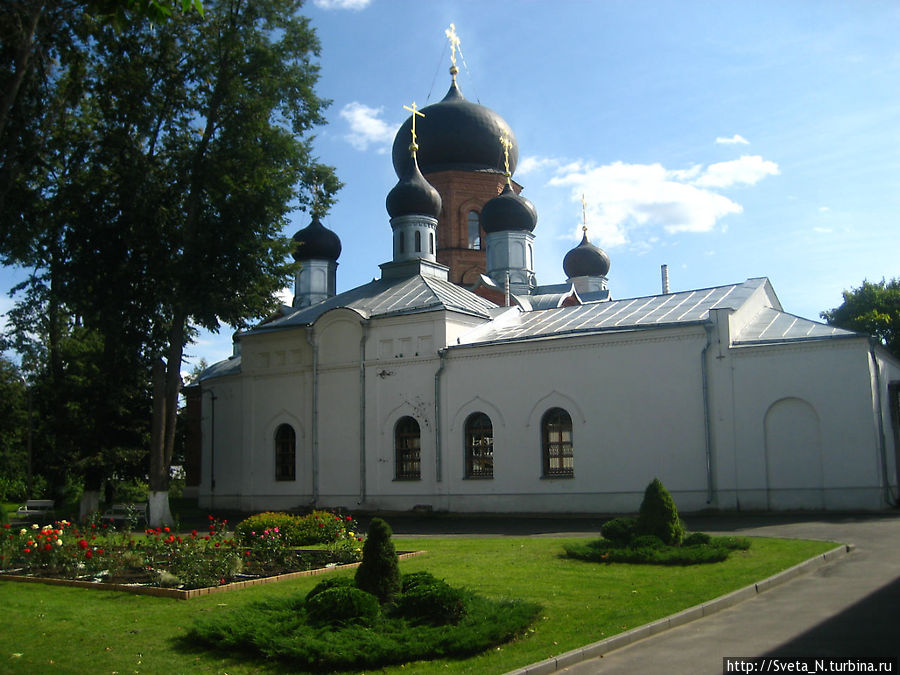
407 449
479 446
474 223
556 432
285 453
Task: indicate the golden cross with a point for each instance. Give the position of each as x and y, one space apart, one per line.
454 45
414 112
507 144
583 215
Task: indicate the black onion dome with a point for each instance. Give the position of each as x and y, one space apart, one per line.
456 134
508 211
413 195
586 260
316 242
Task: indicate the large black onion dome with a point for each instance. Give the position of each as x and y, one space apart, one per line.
316 242
456 134
413 195
586 260
508 211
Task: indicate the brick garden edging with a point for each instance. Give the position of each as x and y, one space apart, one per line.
193 593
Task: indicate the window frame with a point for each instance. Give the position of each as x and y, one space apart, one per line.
285 454
556 451
407 449
478 436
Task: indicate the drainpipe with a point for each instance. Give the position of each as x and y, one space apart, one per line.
438 460
362 410
704 374
315 414
882 449
212 440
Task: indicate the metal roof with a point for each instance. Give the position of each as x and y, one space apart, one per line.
386 297
629 314
771 325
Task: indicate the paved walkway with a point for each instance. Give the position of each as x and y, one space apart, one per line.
849 608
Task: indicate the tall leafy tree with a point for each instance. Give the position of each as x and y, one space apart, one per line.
873 308
165 187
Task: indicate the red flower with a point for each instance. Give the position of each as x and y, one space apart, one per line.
27 550
217 544
165 529
48 547
349 519
206 537
5 526
321 524
247 553
221 582
88 555
193 533
99 551
210 517
83 544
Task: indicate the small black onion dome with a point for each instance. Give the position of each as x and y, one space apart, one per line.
456 134
316 242
586 260
508 211
413 195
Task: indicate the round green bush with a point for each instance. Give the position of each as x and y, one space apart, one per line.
659 516
619 530
379 571
342 605
696 539
435 604
647 541
327 584
414 579
253 526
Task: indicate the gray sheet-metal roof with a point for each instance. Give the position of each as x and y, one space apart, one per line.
386 297
630 314
230 366
771 325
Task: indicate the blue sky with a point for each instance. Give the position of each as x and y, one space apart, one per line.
725 139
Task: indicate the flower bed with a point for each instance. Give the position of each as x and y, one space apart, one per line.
162 559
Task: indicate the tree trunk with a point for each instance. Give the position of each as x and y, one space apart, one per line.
90 502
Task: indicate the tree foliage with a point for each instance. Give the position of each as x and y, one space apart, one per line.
379 571
659 516
162 165
873 308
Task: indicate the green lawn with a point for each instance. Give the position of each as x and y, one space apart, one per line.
58 629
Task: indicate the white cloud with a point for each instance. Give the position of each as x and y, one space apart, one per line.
367 128
285 296
532 163
355 5
748 170
824 209
624 197
822 230
737 139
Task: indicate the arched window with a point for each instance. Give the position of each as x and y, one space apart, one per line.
474 229
400 238
407 449
479 446
431 242
285 453
418 242
556 441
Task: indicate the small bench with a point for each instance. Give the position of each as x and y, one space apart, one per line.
35 509
124 512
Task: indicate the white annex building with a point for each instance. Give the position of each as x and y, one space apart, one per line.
456 383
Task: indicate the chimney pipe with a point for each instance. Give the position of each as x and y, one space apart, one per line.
664 271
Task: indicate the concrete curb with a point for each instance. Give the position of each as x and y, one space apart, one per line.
602 647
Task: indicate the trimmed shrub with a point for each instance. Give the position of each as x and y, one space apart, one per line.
260 522
435 604
379 571
414 579
318 527
342 605
619 530
696 539
731 543
647 541
327 584
659 516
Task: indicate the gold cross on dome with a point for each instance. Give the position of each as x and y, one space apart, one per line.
414 112
583 215
507 144
454 45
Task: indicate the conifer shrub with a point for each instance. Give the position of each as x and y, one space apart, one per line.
379 571
647 541
342 604
435 604
696 539
659 516
619 530
414 579
327 584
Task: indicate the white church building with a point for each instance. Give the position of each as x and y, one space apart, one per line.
456 383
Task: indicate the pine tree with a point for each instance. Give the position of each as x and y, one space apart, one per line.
659 516
379 572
